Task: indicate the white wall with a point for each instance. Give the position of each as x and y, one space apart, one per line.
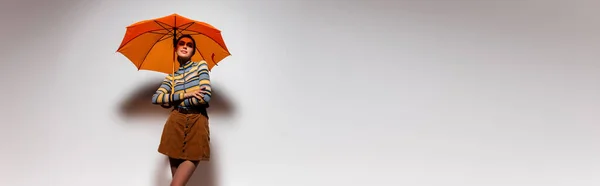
420 93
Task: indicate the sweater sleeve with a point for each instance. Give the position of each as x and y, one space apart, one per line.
163 95
204 83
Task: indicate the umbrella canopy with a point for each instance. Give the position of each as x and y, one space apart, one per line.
150 44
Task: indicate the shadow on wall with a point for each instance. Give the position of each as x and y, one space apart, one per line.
139 104
205 174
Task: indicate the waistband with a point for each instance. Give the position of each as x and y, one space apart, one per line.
192 110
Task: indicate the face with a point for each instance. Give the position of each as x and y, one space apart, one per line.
185 47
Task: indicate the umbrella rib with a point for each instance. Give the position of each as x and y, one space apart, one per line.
169 36
213 55
137 37
199 33
153 32
145 56
180 31
184 29
158 23
160 39
198 50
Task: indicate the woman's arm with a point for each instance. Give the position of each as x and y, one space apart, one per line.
163 95
204 83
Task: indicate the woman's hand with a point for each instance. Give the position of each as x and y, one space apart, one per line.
198 94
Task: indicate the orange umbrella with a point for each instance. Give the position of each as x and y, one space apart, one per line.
149 44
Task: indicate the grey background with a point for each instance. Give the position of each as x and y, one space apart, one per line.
420 93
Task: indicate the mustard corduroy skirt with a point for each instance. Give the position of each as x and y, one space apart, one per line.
186 136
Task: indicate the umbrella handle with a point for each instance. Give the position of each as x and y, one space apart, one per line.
173 80
174 57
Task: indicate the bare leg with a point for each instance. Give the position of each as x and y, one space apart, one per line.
182 172
174 163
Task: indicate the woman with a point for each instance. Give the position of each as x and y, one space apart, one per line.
185 137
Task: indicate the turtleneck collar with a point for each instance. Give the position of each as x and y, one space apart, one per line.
186 65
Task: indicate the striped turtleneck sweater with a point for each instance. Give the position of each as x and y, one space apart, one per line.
190 77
